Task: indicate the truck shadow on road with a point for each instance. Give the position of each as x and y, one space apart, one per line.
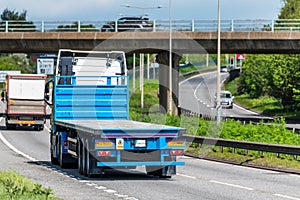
109 174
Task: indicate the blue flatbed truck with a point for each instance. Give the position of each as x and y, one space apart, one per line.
91 129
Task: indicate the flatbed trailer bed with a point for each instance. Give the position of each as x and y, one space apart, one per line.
103 127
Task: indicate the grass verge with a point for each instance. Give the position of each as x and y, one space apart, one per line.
270 160
268 106
275 133
14 186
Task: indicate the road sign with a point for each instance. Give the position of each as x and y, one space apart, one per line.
4 73
45 66
240 56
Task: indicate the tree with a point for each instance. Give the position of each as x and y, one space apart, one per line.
255 79
290 10
17 62
74 27
16 21
13 15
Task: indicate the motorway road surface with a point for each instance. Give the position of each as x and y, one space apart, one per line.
27 152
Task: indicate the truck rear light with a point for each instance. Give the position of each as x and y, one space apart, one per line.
103 153
65 146
176 152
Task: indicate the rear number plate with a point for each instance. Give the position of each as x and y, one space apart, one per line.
140 143
176 143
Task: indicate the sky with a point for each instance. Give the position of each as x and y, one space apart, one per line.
114 9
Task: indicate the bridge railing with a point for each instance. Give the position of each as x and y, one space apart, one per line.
195 25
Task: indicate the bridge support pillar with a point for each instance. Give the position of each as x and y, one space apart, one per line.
163 60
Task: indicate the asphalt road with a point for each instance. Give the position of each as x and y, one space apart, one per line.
27 152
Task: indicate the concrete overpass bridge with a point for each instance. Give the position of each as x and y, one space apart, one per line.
151 42
264 37
189 36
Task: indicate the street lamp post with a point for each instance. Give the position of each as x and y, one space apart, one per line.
218 108
142 55
170 59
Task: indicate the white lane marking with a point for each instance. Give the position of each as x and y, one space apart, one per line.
249 111
196 76
92 184
295 175
286 196
232 185
187 176
84 181
16 150
100 187
110 191
121 195
195 91
48 129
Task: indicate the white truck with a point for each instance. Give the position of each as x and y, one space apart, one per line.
24 101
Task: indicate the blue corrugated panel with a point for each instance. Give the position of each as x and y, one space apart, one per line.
87 102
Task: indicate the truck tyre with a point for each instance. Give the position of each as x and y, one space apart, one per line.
10 127
62 157
80 157
39 128
54 161
153 171
90 161
156 171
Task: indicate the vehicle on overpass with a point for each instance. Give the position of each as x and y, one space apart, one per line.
91 129
128 24
24 101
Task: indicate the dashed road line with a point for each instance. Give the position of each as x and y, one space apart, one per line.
187 176
48 129
286 196
88 183
232 185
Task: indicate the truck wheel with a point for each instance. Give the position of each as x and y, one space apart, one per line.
80 157
39 128
54 161
156 171
89 162
10 127
153 171
62 157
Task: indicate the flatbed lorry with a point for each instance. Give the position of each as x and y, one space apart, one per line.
24 101
91 129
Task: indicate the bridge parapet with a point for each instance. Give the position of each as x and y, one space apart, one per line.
194 25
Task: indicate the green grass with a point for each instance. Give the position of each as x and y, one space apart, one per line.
252 157
274 133
268 106
14 186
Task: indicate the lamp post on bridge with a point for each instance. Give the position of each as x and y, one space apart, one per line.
142 8
141 55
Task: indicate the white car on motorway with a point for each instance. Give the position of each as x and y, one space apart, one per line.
226 99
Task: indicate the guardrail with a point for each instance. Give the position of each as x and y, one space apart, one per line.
235 144
244 120
194 25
